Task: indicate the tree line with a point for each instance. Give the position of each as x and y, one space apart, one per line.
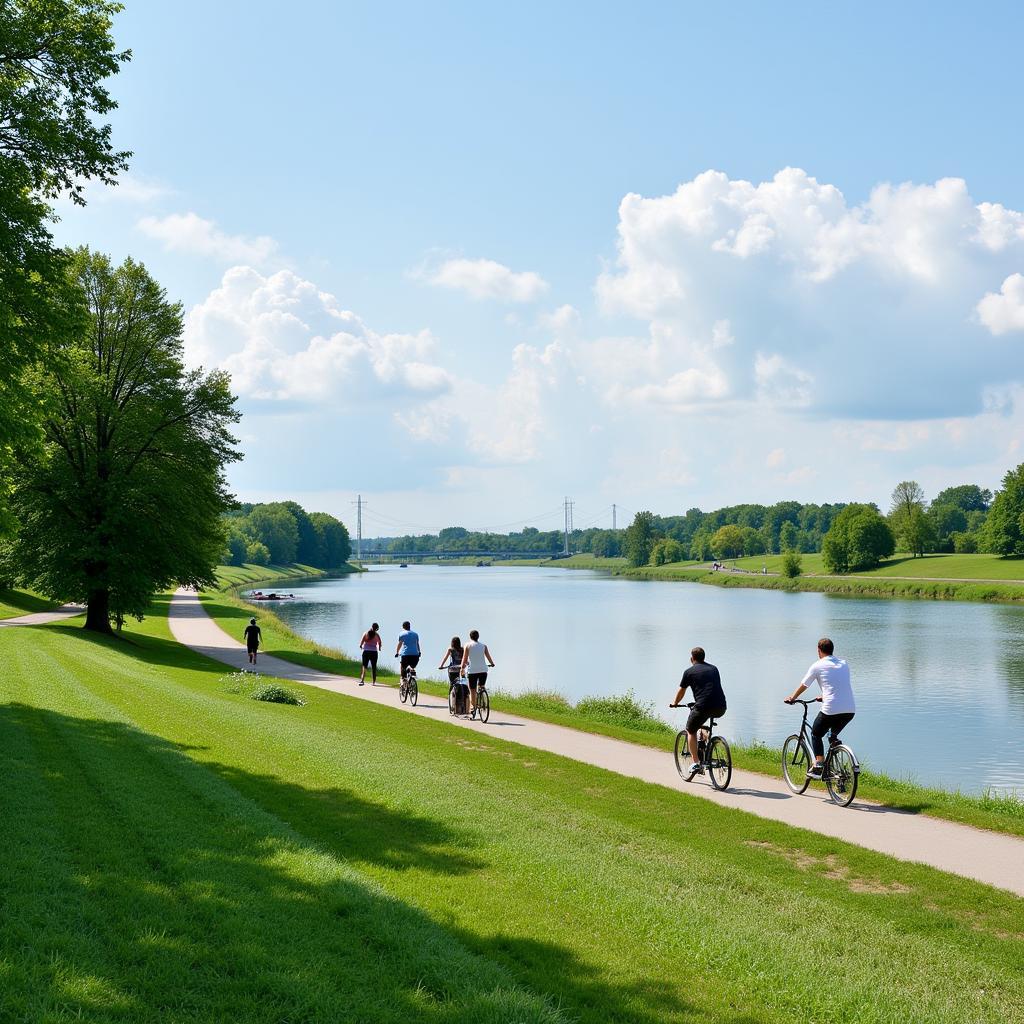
282 532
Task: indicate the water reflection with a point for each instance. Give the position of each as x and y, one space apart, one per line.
940 685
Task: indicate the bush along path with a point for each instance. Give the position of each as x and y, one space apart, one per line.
971 853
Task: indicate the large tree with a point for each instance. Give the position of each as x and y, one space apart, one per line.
125 497
334 545
639 539
54 58
908 518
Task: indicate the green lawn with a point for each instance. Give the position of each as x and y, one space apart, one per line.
14 603
930 567
250 573
175 852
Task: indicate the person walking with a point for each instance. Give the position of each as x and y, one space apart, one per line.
476 658
370 645
253 637
452 660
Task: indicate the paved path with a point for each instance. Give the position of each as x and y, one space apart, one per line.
973 853
68 611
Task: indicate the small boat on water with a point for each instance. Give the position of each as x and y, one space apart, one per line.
404 565
258 595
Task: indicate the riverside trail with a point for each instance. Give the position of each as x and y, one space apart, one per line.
987 857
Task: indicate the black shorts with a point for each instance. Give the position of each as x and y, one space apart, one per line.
252 648
698 716
837 723
409 661
477 678
370 659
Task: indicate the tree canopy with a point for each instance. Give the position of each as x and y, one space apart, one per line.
858 539
125 496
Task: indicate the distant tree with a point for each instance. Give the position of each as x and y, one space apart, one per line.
274 525
307 550
639 539
789 537
753 541
700 546
605 543
333 543
665 551
946 519
964 543
237 544
125 498
257 553
858 539
727 542
792 563
907 518
966 497
1004 527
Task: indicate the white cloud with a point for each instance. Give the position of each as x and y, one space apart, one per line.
486 279
283 339
775 458
1004 311
190 233
562 321
784 291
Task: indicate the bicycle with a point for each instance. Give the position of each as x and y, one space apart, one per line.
409 690
712 752
840 770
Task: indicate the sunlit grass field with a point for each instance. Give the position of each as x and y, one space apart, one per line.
173 851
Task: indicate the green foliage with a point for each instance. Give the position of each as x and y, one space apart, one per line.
964 543
789 537
914 531
274 693
333 546
257 553
792 564
1004 528
639 539
966 497
858 539
624 711
727 542
666 551
54 57
274 525
125 498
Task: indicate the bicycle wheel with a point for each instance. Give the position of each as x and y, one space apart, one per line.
796 763
719 763
414 692
483 705
841 775
403 689
682 755
451 700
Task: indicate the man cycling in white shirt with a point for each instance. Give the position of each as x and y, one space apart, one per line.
838 707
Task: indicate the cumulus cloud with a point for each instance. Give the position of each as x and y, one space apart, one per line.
284 339
785 289
1003 311
190 233
486 279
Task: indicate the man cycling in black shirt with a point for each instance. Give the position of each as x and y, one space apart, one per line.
708 702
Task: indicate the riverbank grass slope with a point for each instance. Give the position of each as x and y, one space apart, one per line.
177 851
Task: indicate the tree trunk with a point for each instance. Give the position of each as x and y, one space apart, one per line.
97 616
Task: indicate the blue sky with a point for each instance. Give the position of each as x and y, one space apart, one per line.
403 230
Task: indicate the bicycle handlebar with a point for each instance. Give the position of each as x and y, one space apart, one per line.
800 700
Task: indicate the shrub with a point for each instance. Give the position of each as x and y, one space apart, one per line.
544 700
257 553
792 564
626 711
274 694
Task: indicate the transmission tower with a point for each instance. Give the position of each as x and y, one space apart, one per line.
613 517
568 523
359 527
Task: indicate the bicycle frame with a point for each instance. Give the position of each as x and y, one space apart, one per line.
833 740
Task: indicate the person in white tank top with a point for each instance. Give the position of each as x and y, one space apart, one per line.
475 660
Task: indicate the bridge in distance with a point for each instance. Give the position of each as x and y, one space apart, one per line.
386 557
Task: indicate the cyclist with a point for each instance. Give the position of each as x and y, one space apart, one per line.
708 702
253 636
832 675
408 648
476 658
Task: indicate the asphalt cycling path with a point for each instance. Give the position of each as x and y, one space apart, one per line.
68 611
989 857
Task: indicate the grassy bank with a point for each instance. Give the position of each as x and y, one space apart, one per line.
14 603
178 852
621 718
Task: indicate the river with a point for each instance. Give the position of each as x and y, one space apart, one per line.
939 685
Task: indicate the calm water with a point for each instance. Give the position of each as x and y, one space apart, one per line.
940 686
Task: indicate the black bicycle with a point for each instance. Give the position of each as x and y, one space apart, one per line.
839 771
482 711
408 689
712 752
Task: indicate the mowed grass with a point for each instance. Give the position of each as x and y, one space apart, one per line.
250 573
172 851
930 567
14 603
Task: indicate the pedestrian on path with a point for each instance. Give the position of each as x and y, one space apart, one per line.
253 637
370 645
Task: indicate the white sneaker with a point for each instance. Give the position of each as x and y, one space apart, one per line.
695 770
815 772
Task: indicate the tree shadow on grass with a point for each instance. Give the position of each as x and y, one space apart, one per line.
140 885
